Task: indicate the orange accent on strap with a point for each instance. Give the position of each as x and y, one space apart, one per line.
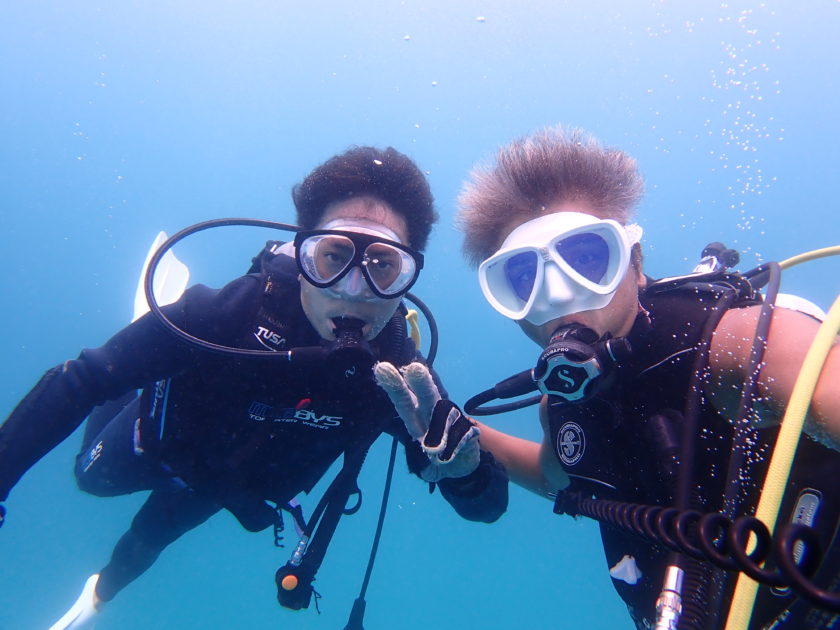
289 583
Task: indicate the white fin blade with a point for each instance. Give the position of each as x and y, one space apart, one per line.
171 278
83 613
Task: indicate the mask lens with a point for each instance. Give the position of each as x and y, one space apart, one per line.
588 254
521 273
324 257
389 268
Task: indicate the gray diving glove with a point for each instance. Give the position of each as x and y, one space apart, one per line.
448 437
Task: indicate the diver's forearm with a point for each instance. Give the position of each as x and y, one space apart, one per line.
520 457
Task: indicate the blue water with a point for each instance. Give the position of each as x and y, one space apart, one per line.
123 118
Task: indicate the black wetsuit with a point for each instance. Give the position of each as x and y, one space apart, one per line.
211 431
624 444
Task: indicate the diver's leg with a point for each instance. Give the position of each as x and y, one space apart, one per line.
164 517
115 459
102 415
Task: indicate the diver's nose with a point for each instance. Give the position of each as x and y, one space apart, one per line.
354 284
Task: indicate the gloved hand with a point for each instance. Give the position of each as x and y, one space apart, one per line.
448 438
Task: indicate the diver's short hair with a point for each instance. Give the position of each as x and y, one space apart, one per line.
384 174
531 173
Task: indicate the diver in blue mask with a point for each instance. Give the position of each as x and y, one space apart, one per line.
249 393
640 383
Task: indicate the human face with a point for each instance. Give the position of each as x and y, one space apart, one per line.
616 317
351 297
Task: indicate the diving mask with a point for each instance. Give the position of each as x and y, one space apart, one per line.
342 258
556 265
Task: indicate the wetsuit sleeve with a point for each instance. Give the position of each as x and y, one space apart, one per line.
483 494
138 355
480 496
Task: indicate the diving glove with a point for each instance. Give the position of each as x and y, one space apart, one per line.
447 437
83 613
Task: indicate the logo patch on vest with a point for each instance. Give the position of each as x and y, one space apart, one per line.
269 339
260 412
571 443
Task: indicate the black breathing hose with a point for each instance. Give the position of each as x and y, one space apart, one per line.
148 285
719 540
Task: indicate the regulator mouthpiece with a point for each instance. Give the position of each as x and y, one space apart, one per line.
576 361
350 351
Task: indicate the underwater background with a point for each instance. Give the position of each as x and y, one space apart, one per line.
120 119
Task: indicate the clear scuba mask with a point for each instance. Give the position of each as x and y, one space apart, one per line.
556 265
344 260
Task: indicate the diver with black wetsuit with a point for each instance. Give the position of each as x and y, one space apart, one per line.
212 431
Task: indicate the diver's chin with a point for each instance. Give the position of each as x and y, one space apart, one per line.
565 322
371 331
543 333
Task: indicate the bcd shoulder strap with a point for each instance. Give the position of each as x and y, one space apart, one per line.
714 283
259 262
294 579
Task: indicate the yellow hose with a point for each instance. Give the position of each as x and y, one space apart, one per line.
834 250
780 464
414 326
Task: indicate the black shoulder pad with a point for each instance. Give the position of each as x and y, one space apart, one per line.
713 283
269 252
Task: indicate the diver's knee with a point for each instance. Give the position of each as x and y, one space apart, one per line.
86 471
94 475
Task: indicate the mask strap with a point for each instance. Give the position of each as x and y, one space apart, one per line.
362 226
634 233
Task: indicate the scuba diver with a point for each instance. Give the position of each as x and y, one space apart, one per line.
641 384
264 421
